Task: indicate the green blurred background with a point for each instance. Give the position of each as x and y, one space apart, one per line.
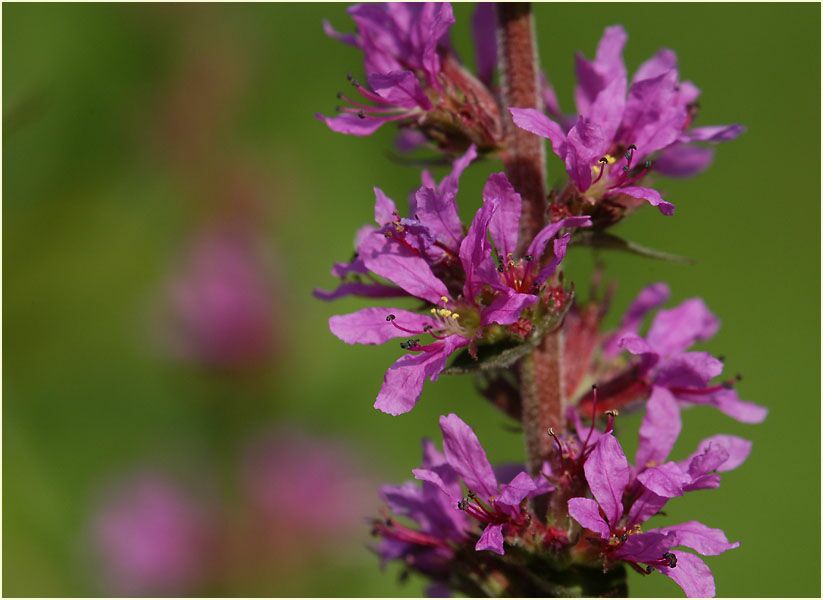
101 191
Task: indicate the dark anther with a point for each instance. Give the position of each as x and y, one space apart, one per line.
604 161
647 164
649 570
390 317
528 258
462 504
500 268
427 327
624 537
671 559
389 523
409 344
594 386
626 169
349 76
632 147
361 114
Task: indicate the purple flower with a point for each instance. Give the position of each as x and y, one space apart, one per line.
440 525
625 499
414 78
607 148
672 370
665 369
440 506
478 285
152 538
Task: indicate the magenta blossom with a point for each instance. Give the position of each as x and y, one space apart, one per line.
680 376
151 538
430 547
446 516
667 373
433 231
414 78
480 285
624 499
606 149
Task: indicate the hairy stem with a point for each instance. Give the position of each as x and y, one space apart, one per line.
524 154
541 373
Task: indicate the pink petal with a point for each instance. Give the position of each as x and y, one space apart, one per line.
586 512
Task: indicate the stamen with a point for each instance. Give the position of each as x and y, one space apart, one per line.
556 440
629 156
594 417
610 414
602 169
410 344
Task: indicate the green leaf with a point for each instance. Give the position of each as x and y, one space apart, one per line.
609 241
504 354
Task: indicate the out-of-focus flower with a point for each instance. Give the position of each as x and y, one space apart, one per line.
480 286
414 78
152 537
222 309
305 489
616 138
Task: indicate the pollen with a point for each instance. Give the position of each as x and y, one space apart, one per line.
455 316
444 299
606 160
444 312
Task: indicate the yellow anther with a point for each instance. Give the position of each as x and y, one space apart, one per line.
434 311
444 299
444 312
455 316
610 159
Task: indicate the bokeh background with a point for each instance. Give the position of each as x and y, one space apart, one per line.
163 173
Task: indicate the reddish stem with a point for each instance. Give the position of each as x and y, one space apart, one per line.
541 373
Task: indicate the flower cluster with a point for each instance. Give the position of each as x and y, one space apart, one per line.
493 295
609 524
617 136
474 291
414 78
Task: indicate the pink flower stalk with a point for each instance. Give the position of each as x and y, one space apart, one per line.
494 291
152 538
